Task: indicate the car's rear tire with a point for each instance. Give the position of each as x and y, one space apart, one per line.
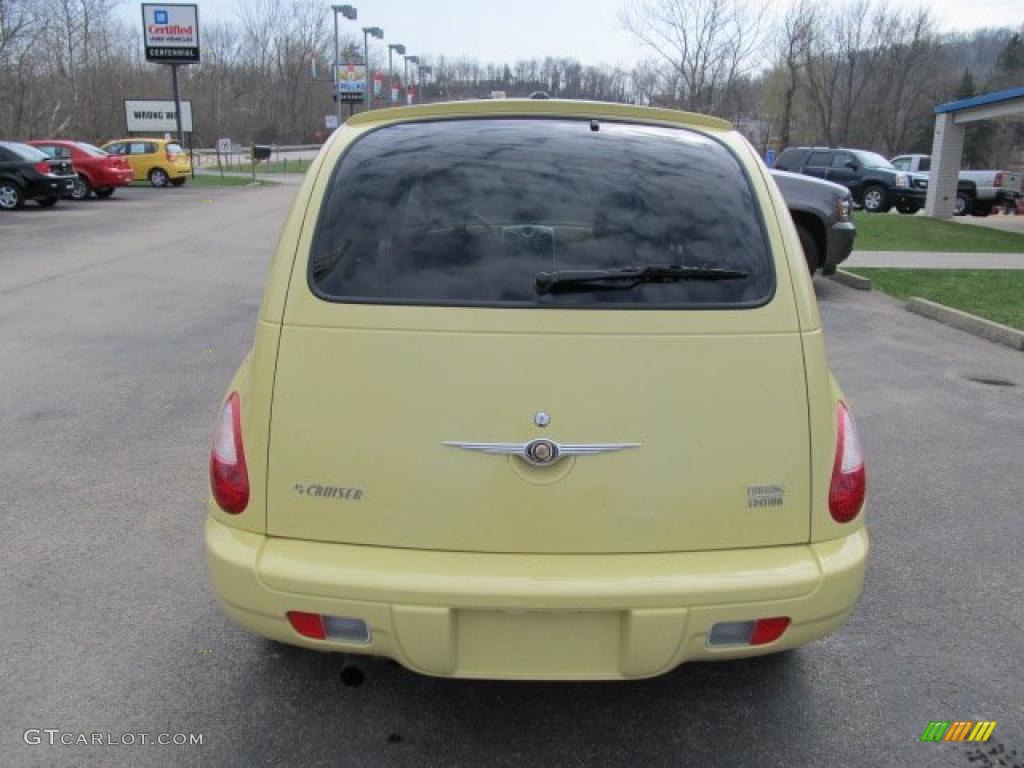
80 190
11 198
158 177
105 192
908 208
48 202
962 204
178 182
876 199
811 251
982 209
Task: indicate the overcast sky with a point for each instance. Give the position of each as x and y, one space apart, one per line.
589 30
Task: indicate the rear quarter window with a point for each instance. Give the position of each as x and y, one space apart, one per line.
469 212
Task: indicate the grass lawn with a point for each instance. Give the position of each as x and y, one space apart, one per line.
995 294
216 180
892 232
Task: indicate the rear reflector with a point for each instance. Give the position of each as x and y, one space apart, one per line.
342 628
307 624
769 630
759 632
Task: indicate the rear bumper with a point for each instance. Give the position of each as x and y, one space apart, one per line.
48 186
559 617
104 179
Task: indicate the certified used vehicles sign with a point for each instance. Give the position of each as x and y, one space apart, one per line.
171 32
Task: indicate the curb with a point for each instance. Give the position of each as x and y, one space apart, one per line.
978 326
851 280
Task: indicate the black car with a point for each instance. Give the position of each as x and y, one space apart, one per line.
873 181
26 173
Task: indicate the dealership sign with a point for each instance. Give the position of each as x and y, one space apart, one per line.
171 33
155 116
351 80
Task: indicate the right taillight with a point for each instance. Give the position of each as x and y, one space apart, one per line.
229 478
998 182
42 167
849 480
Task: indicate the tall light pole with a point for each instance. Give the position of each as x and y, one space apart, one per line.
425 69
415 60
369 32
393 48
349 12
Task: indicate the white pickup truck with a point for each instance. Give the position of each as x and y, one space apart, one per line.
977 192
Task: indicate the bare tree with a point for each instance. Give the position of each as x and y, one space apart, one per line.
709 43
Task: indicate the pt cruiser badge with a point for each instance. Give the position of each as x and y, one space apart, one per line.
542 452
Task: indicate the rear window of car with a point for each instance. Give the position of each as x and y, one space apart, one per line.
174 148
90 149
25 151
471 212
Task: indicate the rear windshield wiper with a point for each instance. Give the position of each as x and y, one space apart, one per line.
626 277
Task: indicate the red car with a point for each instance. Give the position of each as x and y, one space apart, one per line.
97 170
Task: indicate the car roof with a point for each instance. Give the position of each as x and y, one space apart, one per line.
140 138
540 108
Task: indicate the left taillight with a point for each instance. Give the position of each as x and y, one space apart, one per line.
849 478
43 167
229 478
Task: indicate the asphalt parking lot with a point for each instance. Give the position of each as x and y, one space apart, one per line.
123 321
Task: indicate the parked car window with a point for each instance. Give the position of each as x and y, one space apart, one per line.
117 149
790 158
840 159
819 159
873 160
139 148
174 148
469 212
925 164
901 164
91 150
25 151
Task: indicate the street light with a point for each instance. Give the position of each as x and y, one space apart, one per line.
400 50
425 69
369 32
415 60
349 12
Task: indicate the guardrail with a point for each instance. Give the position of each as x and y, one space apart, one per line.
282 159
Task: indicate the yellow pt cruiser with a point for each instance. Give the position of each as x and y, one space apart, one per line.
538 391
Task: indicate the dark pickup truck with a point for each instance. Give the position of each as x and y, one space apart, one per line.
26 173
876 185
821 213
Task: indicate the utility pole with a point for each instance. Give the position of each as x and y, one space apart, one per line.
349 12
368 32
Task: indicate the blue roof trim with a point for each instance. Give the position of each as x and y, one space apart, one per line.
981 101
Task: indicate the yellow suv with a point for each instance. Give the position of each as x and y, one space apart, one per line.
538 391
159 161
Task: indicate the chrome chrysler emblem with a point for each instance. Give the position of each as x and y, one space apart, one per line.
541 452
